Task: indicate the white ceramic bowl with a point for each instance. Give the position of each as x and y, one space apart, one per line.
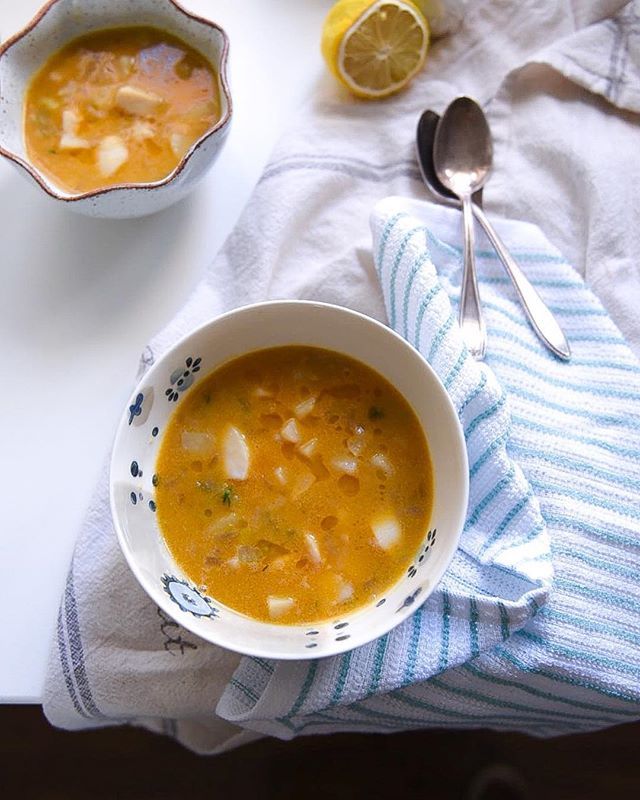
161 390
58 22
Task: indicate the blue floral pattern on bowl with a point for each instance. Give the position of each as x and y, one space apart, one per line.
182 378
188 598
135 409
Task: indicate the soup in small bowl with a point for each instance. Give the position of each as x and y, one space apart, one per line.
290 480
117 111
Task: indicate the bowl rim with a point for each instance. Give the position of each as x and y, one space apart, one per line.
337 648
221 68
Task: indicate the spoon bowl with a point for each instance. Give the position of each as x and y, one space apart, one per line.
463 152
425 137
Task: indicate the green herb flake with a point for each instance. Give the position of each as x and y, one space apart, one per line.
375 412
228 495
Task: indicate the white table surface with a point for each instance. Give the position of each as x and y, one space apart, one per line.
79 298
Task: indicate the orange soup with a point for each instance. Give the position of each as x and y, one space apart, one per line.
118 106
294 484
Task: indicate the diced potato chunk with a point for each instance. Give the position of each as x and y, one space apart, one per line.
137 101
290 431
235 453
69 141
112 153
313 548
279 605
126 64
386 531
180 143
70 121
304 408
141 130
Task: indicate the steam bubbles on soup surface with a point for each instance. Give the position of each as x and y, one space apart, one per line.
294 484
118 106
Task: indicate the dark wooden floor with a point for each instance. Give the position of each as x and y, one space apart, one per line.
37 761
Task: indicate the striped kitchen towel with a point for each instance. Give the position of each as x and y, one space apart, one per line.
492 647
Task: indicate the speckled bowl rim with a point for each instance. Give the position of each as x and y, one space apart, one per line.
150 185
270 652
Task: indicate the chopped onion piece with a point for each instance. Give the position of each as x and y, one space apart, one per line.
221 527
308 448
112 153
279 605
303 484
304 408
234 562
280 475
290 432
380 461
198 442
386 530
345 590
134 100
278 502
235 454
355 445
312 547
282 562
248 554
349 465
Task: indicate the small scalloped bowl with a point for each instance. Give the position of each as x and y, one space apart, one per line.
161 391
57 23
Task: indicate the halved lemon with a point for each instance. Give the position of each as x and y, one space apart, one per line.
375 48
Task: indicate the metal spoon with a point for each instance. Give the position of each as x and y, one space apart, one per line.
462 155
541 319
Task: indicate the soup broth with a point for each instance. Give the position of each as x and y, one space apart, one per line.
294 484
118 106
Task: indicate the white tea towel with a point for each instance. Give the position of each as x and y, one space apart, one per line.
560 149
576 432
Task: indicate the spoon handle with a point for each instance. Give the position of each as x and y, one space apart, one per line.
470 314
541 319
